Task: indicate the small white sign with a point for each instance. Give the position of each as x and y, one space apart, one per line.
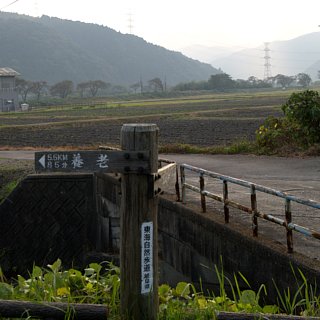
146 257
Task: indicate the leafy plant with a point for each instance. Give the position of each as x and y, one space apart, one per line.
298 130
304 300
303 108
99 283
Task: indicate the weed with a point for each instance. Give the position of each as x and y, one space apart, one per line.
100 284
241 146
7 189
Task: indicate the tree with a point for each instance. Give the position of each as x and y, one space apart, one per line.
93 86
156 84
303 79
38 87
135 86
96 85
221 81
81 87
283 80
24 87
62 89
253 80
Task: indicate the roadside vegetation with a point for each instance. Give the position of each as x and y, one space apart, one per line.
11 173
297 131
100 284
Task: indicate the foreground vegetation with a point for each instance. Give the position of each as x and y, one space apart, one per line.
100 283
299 129
11 173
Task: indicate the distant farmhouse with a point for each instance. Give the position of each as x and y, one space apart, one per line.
8 91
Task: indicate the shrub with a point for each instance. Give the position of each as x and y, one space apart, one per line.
303 109
279 133
297 130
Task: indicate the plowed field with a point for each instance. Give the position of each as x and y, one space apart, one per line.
202 121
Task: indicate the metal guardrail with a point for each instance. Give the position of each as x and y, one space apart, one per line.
287 223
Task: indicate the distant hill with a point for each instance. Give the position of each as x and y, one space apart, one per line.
53 50
207 54
290 57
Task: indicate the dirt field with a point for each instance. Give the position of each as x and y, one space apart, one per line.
202 121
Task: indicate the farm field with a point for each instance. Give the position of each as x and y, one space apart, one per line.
205 121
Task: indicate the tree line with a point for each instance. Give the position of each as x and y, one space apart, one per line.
223 81
219 82
91 88
61 89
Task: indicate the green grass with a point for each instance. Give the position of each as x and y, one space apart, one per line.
11 173
7 189
240 147
100 284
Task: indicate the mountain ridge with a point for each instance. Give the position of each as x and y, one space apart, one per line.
289 57
54 49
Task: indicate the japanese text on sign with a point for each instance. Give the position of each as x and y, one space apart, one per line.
146 257
72 161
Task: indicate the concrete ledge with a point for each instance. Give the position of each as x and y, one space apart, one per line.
193 242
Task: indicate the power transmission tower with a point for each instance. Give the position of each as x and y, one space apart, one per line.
267 64
130 22
36 8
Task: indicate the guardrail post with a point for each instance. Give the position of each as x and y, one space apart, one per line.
139 228
202 196
225 201
183 181
254 210
289 220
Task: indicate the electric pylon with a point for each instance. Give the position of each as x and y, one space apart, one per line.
267 64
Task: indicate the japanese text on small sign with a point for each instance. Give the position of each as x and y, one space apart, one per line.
146 257
73 162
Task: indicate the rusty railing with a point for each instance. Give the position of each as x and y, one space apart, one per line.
287 222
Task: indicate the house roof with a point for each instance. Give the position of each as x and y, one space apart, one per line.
8 72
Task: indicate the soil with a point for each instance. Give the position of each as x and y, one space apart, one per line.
203 123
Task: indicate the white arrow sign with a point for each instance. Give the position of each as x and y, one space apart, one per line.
42 160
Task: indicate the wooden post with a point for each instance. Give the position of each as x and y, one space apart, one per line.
139 227
254 208
202 196
289 220
225 200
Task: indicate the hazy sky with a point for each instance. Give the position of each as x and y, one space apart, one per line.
175 24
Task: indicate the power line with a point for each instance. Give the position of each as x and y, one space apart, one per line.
8 5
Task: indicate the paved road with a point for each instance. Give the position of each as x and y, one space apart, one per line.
20 155
293 175
296 176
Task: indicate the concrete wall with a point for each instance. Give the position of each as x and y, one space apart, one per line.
76 218
45 218
192 243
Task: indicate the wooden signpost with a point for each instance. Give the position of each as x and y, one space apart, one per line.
139 228
138 164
